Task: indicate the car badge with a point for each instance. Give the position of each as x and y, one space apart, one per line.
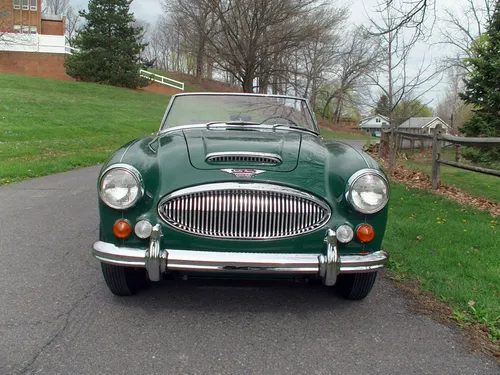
243 173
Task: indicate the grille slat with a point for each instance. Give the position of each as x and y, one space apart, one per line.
245 213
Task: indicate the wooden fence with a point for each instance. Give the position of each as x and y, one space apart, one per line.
436 140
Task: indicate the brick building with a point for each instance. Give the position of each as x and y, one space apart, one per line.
25 16
32 43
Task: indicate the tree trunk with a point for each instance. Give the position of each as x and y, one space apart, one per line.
247 84
199 63
336 113
210 68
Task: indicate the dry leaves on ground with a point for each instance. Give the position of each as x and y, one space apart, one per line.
417 179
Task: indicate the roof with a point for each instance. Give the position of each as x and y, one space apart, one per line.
420 122
371 117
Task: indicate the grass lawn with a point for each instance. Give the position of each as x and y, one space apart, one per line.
49 126
451 250
476 184
328 134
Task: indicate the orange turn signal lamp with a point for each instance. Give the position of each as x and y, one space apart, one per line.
365 233
122 229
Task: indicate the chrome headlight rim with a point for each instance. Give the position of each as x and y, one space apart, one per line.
355 177
134 173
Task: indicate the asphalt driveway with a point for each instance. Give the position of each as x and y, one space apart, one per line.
58 317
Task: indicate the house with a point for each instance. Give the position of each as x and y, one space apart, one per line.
423 125
32 43
374 123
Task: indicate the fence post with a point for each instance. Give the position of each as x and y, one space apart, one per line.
412 146
458 153
436 151
382 143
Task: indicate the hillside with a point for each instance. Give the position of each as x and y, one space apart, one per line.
49 126
193 84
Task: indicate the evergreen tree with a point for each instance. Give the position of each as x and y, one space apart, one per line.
109 46
482 91
383 106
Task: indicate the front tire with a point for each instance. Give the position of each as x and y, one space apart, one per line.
123 281
355 286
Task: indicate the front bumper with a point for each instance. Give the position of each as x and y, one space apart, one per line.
158 261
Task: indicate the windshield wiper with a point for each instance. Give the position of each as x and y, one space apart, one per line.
231 123
295 127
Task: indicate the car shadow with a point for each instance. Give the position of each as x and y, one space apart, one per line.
238 295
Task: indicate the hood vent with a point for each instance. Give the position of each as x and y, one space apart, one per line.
243 157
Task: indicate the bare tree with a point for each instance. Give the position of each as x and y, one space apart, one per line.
199 22
462 26
249 34
358 57
451 108
406 14
320 51
166 45
159 44
55 6
73 25
396 78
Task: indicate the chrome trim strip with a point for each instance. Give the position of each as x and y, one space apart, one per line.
244 186
267 157
207 93
224 126
250 215
231 262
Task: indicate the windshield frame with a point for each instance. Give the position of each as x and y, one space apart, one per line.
164 129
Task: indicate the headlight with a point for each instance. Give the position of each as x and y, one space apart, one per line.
121 186
367 191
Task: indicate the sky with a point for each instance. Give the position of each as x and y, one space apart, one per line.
148 10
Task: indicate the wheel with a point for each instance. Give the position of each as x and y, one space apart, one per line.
123 281
355 286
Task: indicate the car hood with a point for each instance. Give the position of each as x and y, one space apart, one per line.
176 160
202 143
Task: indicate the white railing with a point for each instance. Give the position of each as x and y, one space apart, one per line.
17 42
69 50
162 80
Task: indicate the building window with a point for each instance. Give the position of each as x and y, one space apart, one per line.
17 4
25 4
377 120
33 30
26 29
17 28
32 4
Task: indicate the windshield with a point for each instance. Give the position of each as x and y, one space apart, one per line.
239 109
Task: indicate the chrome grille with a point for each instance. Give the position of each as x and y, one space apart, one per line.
243 211
243 157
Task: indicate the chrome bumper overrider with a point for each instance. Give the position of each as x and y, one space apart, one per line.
157 261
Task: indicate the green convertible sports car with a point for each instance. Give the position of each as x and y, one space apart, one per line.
241 185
